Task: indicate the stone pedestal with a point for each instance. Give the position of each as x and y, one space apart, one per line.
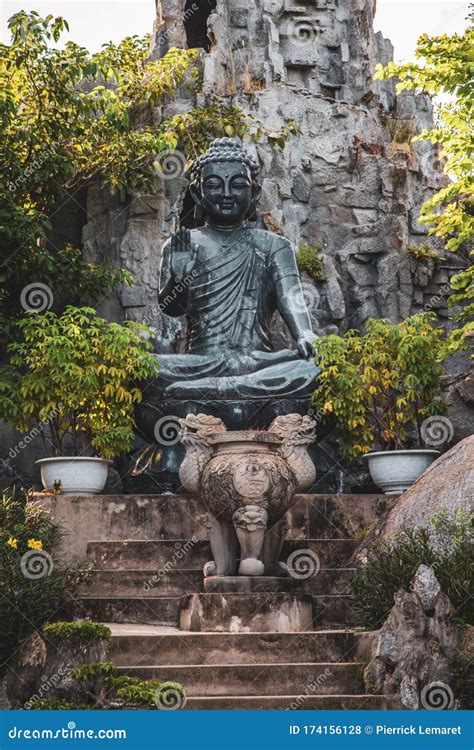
244 584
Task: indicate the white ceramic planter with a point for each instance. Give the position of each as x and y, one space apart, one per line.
79 475
396 471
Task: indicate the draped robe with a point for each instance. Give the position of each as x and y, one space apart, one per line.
229 301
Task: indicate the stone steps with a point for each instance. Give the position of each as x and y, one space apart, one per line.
147 583
89 518
305 701
288 644
328 610
155 554
141 645
323 678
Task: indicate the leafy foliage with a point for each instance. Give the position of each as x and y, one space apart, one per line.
68 117
444 66
58 704
78 632
424 250
309 259
380 386
445 545
26 603
78 374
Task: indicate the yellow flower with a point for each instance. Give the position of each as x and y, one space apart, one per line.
328 406
35 544
372 390
12 542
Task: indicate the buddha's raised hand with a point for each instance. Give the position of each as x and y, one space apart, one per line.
183 254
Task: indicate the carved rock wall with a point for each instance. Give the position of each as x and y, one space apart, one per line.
343 184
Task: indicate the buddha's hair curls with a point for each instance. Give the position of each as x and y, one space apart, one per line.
221 150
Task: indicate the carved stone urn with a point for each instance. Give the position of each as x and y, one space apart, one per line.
247 480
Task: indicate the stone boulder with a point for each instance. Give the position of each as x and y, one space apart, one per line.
416 647
448 485
41 669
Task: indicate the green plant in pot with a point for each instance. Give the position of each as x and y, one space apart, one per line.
75 377
383 392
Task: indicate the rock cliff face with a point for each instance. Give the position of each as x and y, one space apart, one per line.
349 184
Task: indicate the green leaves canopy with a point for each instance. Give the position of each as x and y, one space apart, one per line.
77 375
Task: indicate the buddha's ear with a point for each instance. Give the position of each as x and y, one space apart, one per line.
196 195
252 212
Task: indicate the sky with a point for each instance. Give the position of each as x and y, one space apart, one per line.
93 22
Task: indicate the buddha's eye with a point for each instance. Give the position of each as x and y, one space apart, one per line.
240 184
212 184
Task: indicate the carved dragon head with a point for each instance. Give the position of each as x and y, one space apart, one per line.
198 428
294 429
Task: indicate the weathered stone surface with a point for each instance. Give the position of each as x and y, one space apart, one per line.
41 669
448 485
459 398
426 585
416 646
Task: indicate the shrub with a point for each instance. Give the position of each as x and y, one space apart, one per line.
78 374
445 545
58 704
379 387
309 260
423 250
32 588
80 632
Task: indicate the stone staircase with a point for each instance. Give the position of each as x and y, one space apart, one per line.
300 647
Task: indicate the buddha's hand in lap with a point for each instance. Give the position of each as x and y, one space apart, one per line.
305 344
183 254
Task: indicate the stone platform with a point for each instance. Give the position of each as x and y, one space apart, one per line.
233 642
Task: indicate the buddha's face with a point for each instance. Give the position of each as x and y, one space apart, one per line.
226 192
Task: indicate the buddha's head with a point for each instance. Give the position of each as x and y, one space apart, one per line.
225 183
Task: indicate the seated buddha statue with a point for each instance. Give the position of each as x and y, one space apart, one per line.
228 278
